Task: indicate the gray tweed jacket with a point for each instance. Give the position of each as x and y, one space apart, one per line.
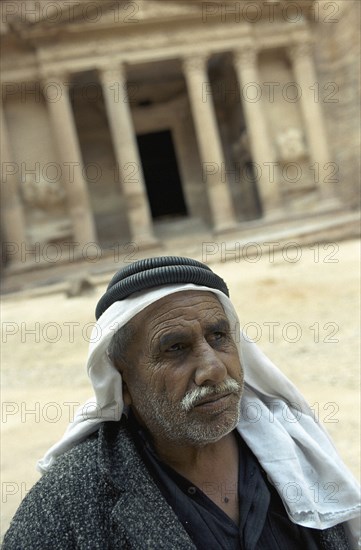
100 496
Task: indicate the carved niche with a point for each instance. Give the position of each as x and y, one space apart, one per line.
291 144
41 193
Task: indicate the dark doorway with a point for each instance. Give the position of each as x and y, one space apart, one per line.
161 174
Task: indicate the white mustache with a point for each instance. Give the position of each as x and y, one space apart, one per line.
193 397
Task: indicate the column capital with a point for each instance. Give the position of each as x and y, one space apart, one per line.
246 57
55 86
195 63
300 50
60 77
112 72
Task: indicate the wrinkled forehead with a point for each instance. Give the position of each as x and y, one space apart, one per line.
180 307
122 313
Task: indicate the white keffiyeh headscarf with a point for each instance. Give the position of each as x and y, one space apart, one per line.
317 489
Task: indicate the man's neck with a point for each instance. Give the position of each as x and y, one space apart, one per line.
213 468
195 462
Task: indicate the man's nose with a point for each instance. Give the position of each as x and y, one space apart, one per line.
210 369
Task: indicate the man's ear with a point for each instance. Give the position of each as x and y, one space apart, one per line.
123 369
127 398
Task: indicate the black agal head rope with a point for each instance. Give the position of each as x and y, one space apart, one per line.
152 272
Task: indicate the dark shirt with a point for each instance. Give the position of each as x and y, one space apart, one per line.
264 524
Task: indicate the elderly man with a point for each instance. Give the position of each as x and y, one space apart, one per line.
194 439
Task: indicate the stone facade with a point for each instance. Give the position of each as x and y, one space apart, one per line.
119 117
337 58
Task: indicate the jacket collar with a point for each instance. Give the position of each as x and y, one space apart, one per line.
141 514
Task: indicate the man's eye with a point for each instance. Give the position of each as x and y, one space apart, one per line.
220 337
175 347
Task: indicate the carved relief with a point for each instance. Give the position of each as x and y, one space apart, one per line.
40 193
291 144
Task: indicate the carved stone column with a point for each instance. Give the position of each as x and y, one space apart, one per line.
305 75
263 155
113 80
11 207
213 164
64 130
189 165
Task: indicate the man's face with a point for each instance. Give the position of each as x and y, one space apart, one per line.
184 380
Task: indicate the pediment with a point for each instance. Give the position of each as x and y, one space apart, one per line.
141 11
161 8
46 14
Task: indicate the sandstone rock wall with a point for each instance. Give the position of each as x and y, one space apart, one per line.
337 52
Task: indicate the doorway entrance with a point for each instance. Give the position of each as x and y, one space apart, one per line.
161 174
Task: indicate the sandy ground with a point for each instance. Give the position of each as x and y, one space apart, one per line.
313 303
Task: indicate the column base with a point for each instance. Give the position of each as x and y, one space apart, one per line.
328 196
293 213
225 228
146 242
273 213
16 266
273 205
